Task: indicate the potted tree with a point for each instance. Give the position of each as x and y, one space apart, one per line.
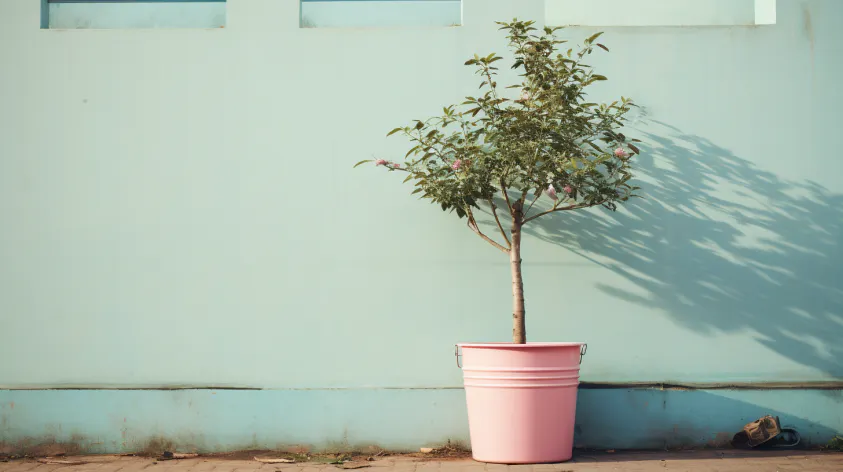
519 153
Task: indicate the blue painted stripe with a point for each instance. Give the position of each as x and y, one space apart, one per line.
114 421
143 1
209 1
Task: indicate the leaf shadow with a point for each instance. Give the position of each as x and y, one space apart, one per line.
721 245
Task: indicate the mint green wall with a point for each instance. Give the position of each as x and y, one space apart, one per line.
652 12
178 207
197 183
390 13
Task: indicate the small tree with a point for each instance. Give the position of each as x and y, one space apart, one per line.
503 151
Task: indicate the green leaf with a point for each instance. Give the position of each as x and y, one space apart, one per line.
394 131
632 146
501 141
362 162
593 37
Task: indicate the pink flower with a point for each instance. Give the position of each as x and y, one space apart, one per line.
568 189
525 95
457 164
621 152
396 166
551 192
381 162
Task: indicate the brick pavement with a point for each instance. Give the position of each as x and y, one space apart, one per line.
698 461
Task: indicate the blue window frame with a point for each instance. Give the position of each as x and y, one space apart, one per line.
128 14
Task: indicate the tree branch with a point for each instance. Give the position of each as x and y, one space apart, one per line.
498 221
506 196
538 195
476 229
571 207
493 88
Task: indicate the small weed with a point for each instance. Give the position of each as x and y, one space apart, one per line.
451 449
836 444
296 456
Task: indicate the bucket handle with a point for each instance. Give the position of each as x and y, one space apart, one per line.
583 350
457 354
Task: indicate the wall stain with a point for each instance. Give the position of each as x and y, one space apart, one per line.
45 446
836 395
808 27
154 446
721 440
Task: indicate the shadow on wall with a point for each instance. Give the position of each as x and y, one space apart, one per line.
670 419
721 246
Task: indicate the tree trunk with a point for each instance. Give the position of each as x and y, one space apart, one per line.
519 329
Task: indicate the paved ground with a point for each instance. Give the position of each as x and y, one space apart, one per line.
701 461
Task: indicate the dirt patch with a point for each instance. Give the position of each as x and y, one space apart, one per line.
30 447
246 455
298 455
451 450
157 446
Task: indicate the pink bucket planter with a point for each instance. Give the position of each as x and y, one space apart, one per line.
522 400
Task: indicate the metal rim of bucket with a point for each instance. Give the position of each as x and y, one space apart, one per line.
457 354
